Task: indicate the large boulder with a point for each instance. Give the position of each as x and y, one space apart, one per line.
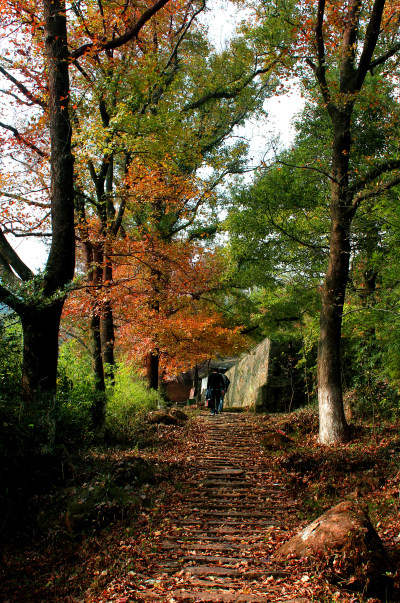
343 543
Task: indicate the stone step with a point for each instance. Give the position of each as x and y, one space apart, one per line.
247 523
228 471
228 513
225 484
169 545
217 559
210 570
219 596
229 530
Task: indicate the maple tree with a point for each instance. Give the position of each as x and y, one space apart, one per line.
169 98
160 278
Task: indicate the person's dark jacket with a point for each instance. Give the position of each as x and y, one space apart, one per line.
215 381
226 382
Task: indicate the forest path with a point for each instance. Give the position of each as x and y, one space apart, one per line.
215 543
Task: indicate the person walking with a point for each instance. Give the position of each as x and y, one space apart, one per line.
215 385
223 393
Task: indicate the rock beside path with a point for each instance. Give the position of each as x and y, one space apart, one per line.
275 440
344 542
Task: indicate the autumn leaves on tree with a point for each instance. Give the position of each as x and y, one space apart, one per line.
99 107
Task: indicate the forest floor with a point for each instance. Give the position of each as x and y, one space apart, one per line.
198 515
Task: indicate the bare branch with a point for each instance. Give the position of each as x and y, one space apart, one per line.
21 139
25 200
23 89
307 167
13 259
126 37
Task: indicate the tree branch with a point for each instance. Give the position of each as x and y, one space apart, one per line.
382 59
23 89
320 71
379 190
306 167
226 94
375 172
9 299
126 37
23 140
348 51
371 38
13 259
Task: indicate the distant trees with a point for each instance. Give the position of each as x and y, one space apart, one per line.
123 86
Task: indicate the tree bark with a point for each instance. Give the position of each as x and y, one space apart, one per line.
61 261
95 351
40 353
107 338
333 426
152 367
107 332
40 324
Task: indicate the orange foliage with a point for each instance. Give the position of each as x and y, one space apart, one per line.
160 279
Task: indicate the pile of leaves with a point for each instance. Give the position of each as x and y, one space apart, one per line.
66 537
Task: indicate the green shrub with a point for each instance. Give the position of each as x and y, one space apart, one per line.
75 395
10 361
126 401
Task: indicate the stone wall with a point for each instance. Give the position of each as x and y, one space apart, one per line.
249 378
267 379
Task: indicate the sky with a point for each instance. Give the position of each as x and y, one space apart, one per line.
222 17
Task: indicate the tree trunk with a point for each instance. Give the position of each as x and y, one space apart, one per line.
107 324
107 339
95 352
41 324
152 365
61 261
40 354
332 422
332 427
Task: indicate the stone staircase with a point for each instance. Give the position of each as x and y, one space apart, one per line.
219 548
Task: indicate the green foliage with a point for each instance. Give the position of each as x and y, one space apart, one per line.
10 359
127 400
75 394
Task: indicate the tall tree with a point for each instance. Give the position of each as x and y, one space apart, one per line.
362 28
343 44
39 53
